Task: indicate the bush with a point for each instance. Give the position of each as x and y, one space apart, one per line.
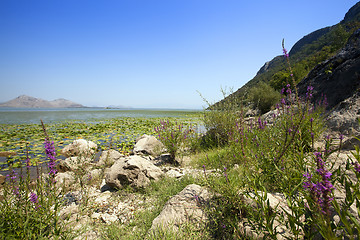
220 120
263 96
29 210
174 136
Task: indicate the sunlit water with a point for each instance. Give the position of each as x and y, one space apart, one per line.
33 115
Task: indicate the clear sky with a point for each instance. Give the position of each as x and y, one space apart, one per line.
147 53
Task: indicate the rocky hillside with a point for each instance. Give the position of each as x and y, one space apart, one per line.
307 53
24 101
338 77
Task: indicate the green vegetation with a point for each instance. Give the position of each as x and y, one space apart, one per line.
116 133
307 55
254 160
263 96
159 193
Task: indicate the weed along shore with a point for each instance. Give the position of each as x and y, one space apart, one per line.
281 162
277 176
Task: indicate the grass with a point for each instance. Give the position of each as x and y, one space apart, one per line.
159 192
117 133
251 161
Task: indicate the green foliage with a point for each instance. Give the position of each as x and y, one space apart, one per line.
263 96
160 192
29 210
303 60
174 136
219 121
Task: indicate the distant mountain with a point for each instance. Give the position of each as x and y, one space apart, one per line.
307 53
24 101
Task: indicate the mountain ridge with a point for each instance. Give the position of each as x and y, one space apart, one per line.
306 53
24 101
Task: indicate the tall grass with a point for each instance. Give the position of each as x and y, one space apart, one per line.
29 208
275 154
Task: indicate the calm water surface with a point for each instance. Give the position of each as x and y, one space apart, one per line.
33 115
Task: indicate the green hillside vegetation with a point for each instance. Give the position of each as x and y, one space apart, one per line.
305 55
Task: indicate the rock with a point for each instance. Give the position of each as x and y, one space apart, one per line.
65 179
336 78
135 171
174 174
105 217
108 157
148 145
350 143
104 187
72 198
66 212
278 203
88 235
2 179
73 164
95 174
163 159
103 198
252 113
344 118
80 147
183 207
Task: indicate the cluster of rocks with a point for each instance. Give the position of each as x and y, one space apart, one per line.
96 182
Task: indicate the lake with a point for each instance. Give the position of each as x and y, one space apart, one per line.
33 115
21 129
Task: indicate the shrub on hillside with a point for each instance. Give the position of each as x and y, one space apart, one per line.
263 96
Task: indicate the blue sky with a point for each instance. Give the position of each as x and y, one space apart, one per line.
147 53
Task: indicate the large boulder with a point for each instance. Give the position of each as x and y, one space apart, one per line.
74 164
344 118
148 145
65 179
186 206
277 203
336 78
109 157
80 147
135 171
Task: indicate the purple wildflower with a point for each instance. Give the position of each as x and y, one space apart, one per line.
196 197
321 190
34 200
341 137
288 90
356 167
50 153
309 92
89 177
286 54
16 191
225 175
261 125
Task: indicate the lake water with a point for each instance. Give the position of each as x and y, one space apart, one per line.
33 115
